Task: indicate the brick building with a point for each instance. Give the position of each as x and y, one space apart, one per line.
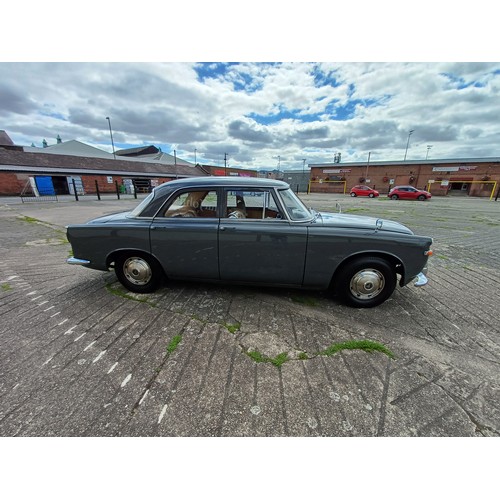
55 170
468 176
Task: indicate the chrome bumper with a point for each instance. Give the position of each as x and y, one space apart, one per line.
421 280
77 262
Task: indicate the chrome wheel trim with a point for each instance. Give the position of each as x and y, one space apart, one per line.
137 271
367 284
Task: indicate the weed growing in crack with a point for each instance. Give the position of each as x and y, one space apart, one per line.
6 287
260 358
172 346
125 295
364 345
232 328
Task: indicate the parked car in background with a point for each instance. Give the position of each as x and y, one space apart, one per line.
250 231
408 193
364 191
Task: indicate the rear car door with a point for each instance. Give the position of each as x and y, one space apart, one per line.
184 235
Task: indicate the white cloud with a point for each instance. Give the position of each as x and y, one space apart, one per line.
257 112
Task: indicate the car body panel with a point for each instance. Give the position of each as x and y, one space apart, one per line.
287 246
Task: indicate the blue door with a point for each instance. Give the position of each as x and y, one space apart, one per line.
45 186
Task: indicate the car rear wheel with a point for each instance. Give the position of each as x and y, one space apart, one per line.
138 273
394 197
353 195
366 282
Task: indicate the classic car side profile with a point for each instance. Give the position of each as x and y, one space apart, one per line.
250 231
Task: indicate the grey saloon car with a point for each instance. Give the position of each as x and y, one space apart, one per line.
250 231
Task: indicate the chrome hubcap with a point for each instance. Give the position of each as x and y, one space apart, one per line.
367 283
137 271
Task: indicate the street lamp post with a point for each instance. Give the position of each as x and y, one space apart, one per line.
367 165
408 143
303 168
428 148
111 134
195 156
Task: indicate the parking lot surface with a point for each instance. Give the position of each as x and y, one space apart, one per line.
81 356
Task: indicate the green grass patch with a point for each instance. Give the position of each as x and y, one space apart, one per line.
307 301
364 345
303 356
442 257
233 328
172 346
29 220
6 287
125 295
261 358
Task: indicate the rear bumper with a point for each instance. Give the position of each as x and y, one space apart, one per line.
78 262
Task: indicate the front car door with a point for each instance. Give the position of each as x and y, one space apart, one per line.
257 241
184 235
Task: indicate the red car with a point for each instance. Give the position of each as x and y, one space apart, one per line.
364 191
408 193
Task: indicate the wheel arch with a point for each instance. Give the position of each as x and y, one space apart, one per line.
392 259
110 259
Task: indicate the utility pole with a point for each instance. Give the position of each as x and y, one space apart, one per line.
428 148
408 143
111 134
225 163
367 165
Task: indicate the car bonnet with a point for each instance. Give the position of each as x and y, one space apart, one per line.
348 221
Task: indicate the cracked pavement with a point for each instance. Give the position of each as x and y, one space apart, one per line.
80 356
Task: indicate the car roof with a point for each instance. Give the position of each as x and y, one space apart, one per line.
221 181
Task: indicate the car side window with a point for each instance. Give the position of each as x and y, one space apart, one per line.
192 204
251 204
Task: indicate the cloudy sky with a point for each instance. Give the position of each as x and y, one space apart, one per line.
259 114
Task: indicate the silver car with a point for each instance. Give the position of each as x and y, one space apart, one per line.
250 231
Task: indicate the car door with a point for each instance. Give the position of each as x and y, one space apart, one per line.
184 235
257 243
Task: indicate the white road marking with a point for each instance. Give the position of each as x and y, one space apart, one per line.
112 368
70 330
90 345
162 414
143 397
126 380
101 354
78 338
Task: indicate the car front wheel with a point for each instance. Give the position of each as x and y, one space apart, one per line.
138 273
371 195
394 197
421 197
366 282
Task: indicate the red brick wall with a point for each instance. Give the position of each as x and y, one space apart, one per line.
12 184
417 175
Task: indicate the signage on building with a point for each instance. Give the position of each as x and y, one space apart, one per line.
337 171
445 169
110 179
452 169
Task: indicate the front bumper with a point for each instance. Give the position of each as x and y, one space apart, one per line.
421 278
